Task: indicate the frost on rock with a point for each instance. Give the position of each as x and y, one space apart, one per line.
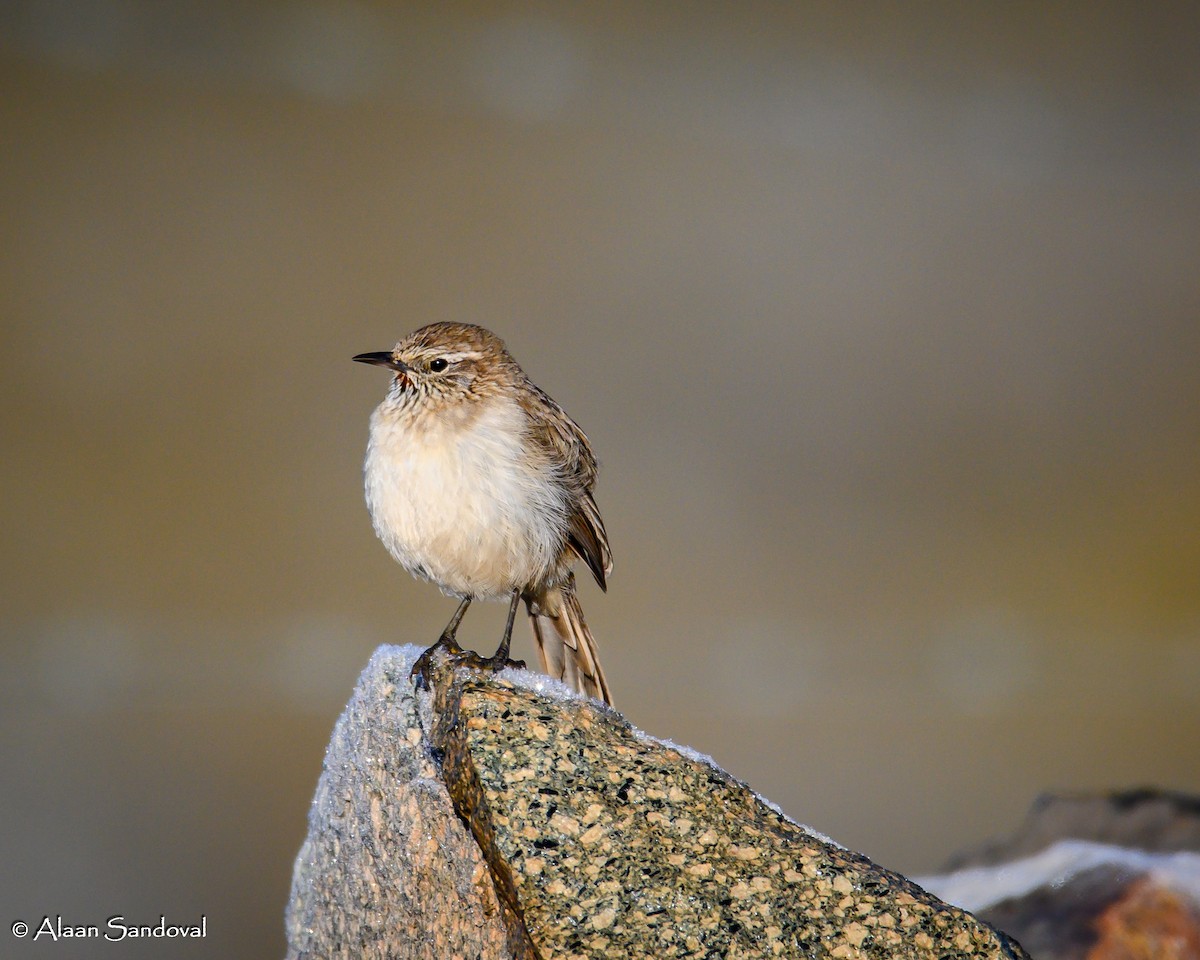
554 689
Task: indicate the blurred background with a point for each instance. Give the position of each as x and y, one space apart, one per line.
884 320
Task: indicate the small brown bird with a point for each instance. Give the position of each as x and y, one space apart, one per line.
479 482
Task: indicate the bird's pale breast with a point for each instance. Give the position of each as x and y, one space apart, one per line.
462 503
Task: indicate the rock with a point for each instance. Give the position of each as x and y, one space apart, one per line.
1141 819
1148 921
1092 878
599 842
387 869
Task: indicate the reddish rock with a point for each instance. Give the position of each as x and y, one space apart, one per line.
1149 922
1105 877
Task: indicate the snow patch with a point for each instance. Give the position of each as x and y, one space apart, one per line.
977 888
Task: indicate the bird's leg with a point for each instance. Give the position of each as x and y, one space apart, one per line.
447 641
450 634
498 660
468 658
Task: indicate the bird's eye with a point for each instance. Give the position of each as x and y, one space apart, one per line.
438 365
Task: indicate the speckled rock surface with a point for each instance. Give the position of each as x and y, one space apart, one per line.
387 869
611 844
575 837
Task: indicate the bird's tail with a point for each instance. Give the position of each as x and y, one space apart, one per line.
564 642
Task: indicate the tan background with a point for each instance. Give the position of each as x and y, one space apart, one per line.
884 320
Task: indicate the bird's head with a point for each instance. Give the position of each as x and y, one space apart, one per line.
449 361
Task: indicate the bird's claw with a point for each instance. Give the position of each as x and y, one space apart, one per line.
423 667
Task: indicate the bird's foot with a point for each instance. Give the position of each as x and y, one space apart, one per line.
422 669
456 656
493 664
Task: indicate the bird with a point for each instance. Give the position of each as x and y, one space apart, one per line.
479 482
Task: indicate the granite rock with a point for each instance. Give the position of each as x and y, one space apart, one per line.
387 869
598 841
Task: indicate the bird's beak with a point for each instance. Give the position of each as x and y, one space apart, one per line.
384 359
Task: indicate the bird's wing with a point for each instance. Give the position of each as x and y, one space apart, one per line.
565 443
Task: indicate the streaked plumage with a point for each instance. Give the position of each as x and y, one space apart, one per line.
479 482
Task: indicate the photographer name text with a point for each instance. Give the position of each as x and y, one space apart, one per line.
115 928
